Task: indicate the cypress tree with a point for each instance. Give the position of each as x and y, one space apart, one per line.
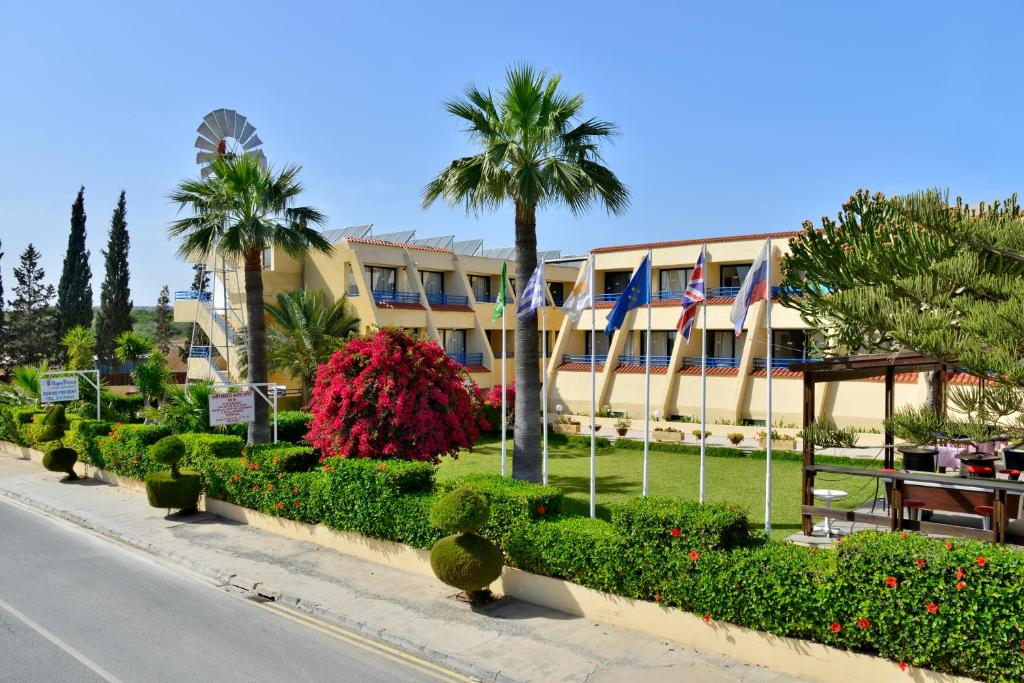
163 317
1 297
200 278
31 334
115 314
74 292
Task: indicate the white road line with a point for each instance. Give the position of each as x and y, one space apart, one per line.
96 668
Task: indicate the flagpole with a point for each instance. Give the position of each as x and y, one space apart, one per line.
703 375
593 388
768 426
647 400
504 388
544 369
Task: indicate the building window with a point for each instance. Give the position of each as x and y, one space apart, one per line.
267 256
724 344
454 341
615 281
433 282
382 279
732 275
674 280
481 286
602 343
352 287
557 290
789 344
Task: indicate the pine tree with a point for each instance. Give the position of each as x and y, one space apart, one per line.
1 297
115 314
31 334
74 292
163 317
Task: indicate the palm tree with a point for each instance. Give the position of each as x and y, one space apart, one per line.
79 343
149 368
24 387
535 150
306 331
187 408
238 211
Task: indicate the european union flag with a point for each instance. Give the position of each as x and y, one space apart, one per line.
636 294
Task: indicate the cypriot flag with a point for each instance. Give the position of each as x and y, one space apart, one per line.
582 296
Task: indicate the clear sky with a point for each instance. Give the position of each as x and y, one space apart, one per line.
736 117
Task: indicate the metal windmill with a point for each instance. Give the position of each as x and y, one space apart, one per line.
225 132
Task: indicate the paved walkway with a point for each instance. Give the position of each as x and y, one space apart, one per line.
509 641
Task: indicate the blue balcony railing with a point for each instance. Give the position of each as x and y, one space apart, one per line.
669 295
394 296
634 359
780 363
467 358
583 358
191 295
447 300
353 290
607 298
713 362
199 352
487 298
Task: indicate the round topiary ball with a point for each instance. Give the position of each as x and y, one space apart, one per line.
462 510
61 460
168 451
466 561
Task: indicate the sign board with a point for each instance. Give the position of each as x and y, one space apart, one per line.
232 407
57 389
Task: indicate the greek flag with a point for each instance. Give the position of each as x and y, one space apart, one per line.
532 296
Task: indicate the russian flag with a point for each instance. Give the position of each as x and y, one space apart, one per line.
753 289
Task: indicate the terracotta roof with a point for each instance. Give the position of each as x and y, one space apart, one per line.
399 304
451 307
579 367
382 243
699 240
777 373
712 372
641 369
963 378
900 378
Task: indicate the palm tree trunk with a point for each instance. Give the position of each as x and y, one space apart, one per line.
256 343
526 453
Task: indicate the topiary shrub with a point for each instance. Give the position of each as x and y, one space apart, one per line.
173 489
59 458
465 560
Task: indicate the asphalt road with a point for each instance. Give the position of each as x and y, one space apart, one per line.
75 607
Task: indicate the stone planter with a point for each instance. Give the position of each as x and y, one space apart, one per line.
672 437
566 428
778 444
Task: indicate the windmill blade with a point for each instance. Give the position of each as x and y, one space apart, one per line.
222 119
229 123
205 172
205 157
261 159
209 133
211 121
247 130
252 143
238 123
203 143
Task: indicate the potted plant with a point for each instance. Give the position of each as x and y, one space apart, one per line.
824 433
779 440
622 425
564 424
670 434
697 434
734 438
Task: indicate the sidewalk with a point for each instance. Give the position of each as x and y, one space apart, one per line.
509 641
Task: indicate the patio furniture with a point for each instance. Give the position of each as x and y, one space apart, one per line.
985 511
878 485
1012 475
1014 458
828 495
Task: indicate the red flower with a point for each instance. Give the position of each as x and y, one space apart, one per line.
280 506
297 503
657 597
836 627
675 532
863 623
932 608
540 509
959 574
1022 646
961 585
694 555
904 535
891 582
276 460
707 618
903 666
295 490
949 545
270 487
921 563
981 561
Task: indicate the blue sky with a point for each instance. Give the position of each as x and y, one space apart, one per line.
736 117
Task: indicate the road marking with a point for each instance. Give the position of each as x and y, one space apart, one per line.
423 666
96 668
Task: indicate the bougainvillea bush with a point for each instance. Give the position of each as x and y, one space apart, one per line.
390 395
492 407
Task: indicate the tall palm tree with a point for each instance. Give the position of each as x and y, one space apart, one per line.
305 332
79 344
535 150
238 211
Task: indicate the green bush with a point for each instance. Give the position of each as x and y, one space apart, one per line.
168 451
83 436
467 562
173 490
24 414
126 450
292 425
199 446
61 459
714 451
118 407
10 427
461 511
513 504
288 457
577 441
51 427
580 549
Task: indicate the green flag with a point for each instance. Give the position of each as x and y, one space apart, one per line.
499 304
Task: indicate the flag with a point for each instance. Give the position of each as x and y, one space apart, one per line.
692 298
636 294
499 304
532 296
753 289
582 296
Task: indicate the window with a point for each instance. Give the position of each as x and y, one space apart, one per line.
433 282
557 290
674 280
454 341
615 281
353 287
732 276
789 344
602 343
267 255
724 344
382 279
481 286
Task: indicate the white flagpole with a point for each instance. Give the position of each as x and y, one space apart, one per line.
647 401
593 388
768 426
703 370
544 370
504 389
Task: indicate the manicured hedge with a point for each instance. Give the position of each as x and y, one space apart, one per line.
10 427
514 504
126 450
577 440
288 457
84 435
292 425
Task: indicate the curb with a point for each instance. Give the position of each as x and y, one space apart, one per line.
255 588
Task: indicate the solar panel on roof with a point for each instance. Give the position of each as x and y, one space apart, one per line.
468 247
338 234
444 242
400 237
504 253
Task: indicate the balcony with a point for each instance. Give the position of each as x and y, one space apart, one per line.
199 352
395 296
467 359
583 359
447 300
713 362
607 298
192 295
656 361
780 363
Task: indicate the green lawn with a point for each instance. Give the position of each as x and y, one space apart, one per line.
620 472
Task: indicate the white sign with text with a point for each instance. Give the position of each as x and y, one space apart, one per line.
232 407
58 389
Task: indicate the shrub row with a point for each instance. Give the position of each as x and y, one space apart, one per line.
757 454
